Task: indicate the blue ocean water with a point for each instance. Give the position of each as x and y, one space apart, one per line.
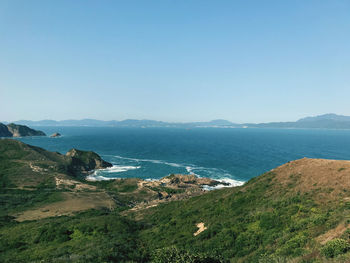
236 154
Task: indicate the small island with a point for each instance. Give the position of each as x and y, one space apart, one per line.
55 135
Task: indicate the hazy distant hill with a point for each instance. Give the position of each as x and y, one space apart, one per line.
128 123
326 117
326 121
84 122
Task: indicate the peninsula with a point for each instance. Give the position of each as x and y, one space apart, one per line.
15 130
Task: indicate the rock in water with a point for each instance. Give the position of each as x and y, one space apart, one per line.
56 134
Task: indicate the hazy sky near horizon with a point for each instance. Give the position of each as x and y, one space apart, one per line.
183 60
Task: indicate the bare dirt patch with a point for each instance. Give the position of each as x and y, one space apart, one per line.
62 182
74 202
201 228
333 233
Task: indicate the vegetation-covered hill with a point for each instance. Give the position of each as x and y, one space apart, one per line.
299 212
23 165
292 212
31 177
15 130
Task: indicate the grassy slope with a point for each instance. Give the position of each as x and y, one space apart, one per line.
287 213
273 217
92 236
27 176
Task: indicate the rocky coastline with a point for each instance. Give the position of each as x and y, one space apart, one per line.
15 130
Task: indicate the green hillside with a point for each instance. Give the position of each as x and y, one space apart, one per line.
299 212
272 218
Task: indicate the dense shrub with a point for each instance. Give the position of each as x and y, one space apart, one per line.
293 246
335 247
346 234
175 255
269 220
71 239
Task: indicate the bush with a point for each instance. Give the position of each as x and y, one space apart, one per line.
335 247
346 234
269 220
175 255
293 246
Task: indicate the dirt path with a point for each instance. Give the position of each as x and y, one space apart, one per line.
201 228
333 233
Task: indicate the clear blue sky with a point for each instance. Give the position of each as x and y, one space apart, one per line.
244 61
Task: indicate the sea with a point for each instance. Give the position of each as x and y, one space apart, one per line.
232 155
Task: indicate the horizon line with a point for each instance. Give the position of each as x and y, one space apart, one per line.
172 122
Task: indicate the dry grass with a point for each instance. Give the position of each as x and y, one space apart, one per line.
73 202
333 233
329 178
63 182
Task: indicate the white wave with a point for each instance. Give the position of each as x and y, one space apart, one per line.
94 178
127 158
150 161
189 169
117 169
212 173
229 181
163 162
151 179
97 175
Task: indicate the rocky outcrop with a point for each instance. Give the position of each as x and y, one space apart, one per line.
85 161
188 180
14 130
4 131
170 188
56 134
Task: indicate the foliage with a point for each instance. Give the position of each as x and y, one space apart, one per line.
14 200
174 255
93 236
335 247
261 220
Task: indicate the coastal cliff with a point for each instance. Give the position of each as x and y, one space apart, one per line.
15 130
4 131
85 161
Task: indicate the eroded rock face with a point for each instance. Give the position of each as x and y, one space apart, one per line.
4 131
186 180
22 130
85 161
169 188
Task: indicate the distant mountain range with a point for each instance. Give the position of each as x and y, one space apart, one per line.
127 123
326 121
